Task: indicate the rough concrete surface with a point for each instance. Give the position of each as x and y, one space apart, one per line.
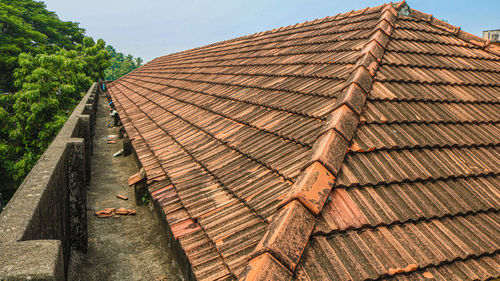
124 248
38 227
35 260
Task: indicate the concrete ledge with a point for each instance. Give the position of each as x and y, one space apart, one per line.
47 216
32 260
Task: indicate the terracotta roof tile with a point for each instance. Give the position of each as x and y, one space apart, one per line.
371 253
482 268
403 112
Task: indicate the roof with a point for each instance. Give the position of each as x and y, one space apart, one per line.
360 146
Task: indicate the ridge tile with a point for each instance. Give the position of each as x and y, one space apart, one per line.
351 147
352 96
361 76
329 150
312 188
265 267
343 120
287 235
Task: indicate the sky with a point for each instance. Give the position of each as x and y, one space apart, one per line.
153 28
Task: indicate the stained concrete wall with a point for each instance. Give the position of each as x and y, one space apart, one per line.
173 244
47 217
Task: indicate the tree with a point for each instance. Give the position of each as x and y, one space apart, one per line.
46 65
120 64
51 86
27 26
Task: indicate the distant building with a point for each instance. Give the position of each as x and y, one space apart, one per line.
492 35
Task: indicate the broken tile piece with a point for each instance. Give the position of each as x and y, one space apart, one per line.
121 211
101 214
105 212
123 197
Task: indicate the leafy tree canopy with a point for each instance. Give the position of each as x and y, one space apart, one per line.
27 26
48 65
51 86
120 64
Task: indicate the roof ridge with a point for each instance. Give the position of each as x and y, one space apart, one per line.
339 16
297 25
485 44
281 247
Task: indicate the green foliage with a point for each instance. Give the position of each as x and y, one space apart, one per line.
145 199
26 26
120 64
51 64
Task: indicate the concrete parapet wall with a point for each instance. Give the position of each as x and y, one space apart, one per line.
47 216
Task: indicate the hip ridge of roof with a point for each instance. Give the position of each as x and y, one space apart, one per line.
281 247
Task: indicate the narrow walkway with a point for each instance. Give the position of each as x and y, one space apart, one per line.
124 248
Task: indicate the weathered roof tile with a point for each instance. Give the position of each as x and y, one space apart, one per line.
400 109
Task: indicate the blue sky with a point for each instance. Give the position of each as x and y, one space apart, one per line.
153 28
